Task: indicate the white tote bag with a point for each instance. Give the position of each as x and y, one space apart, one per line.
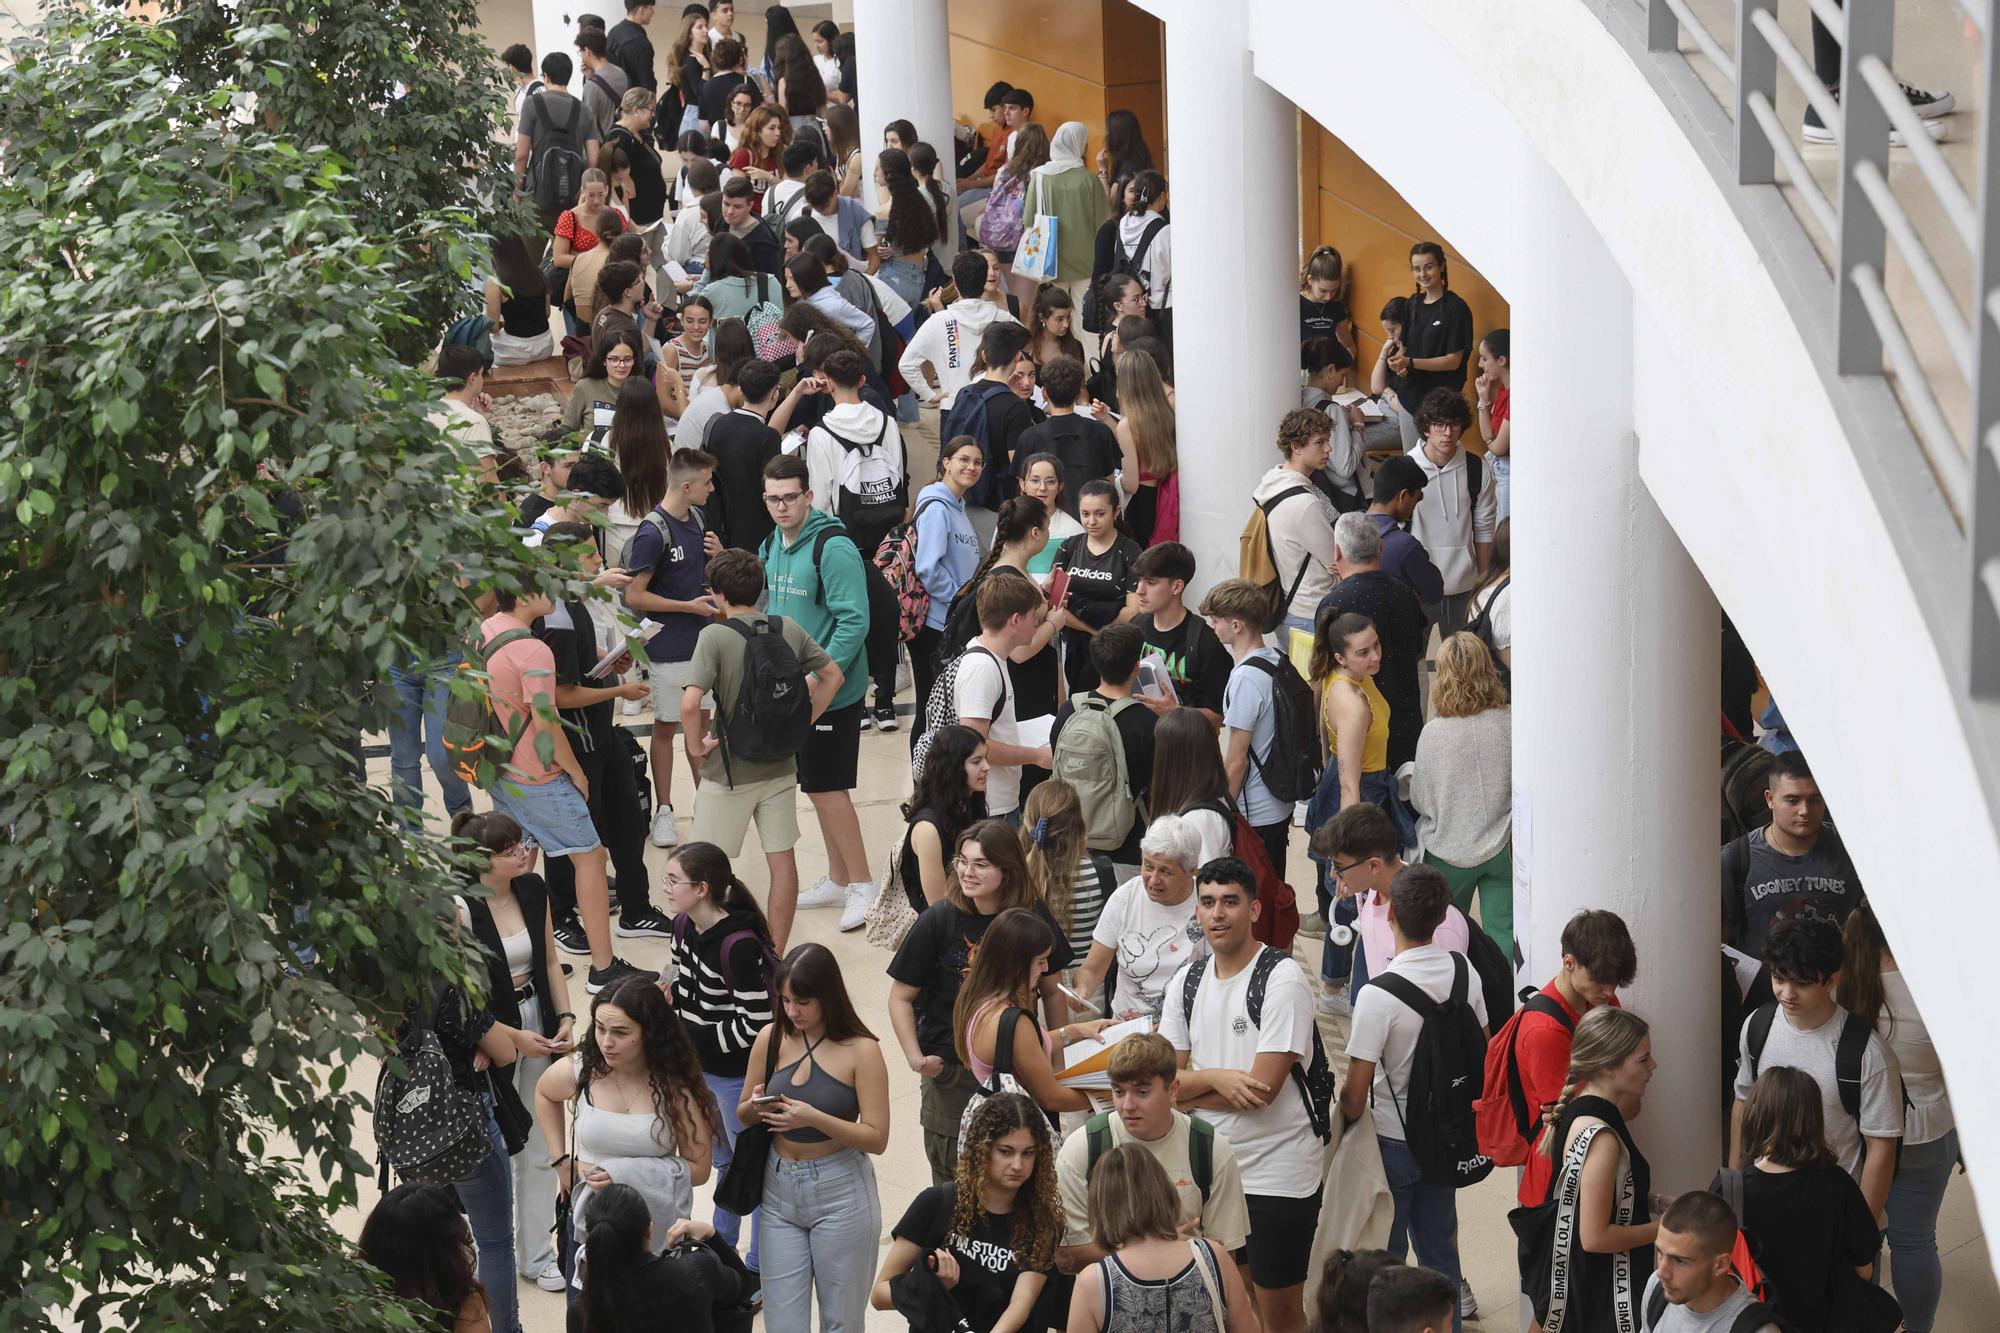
1035 258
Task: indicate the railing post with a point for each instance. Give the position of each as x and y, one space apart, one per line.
1663 30
1864 137
1982 521
1756 72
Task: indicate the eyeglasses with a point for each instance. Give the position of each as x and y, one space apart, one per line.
674 881
968 867
527 846
1340 871
619 360
791 499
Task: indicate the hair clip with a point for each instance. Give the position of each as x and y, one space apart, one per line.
1039 834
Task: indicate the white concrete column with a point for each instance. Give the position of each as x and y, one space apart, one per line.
903 48
555 29
1615 687
1235 249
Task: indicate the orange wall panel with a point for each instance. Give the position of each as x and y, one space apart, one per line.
1048 34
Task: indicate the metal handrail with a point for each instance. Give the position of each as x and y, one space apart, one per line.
1862 215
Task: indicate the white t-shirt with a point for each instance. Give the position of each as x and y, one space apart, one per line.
1151 942
780 195
1816 1051
1218 835
1385 1030
1503 613
981 681
1276 1144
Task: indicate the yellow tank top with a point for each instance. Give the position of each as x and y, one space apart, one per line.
1375 750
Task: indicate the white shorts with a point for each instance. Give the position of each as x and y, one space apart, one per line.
669 680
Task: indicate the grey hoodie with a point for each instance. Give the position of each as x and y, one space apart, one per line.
1301 530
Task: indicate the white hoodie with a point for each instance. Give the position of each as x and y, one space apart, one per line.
1449 522
1301 530
825 456
949 340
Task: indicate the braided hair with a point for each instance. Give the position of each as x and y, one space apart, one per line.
1605 1039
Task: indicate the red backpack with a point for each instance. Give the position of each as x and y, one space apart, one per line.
1278 922
1507 1125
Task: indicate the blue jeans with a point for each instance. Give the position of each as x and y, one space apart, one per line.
822 1222
728 1091
1916 1194
1426 1216
417 733
487 1195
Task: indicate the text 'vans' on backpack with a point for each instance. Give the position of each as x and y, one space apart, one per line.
1090 756
1292 767
1277 922
1436 1110
555 170
1313 1077
896 557
772 715
872 489
473 736
1257 559
1507 1125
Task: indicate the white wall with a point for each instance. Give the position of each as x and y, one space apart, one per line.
1740 447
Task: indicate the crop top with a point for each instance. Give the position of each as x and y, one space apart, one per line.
821 1091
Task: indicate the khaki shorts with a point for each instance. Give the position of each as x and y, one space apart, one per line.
668 680
722 814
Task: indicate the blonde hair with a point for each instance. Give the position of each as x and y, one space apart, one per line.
1605 1039
1143 396
1052 827
1467 681
1131 1199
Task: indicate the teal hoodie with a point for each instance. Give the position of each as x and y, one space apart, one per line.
837 620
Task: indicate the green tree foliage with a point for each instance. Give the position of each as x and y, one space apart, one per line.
222 515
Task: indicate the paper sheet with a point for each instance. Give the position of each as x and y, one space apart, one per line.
1035 730
1085 1062
1746 968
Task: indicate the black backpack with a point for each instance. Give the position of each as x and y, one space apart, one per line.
555 172
1482 629
1291 770
1496 974
772 715
1312 1077
968 417
1748 1320
1131 264
1447 1070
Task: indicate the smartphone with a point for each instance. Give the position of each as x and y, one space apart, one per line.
767 1099
1077 1001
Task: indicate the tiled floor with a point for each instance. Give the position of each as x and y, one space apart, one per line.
1486 1242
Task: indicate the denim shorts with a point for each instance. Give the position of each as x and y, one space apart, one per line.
554 812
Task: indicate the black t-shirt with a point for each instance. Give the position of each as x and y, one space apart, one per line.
1776 885
534 507
987 1266
649 185
572 640
1085 446
1135 733
1008 418
1437 329
1804 1224
1098 587
1399 619
715 94
1320 319
935 957
1197 662
741 444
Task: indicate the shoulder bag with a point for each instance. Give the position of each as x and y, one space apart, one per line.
741 1188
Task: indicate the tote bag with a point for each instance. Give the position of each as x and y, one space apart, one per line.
1035 257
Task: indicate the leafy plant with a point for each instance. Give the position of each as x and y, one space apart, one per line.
222 515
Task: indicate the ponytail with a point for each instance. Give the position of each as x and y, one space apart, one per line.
1552 1117
1015 520
613 1246
705 863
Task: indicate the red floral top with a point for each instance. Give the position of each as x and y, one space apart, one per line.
580 237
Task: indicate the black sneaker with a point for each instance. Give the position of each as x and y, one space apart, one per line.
569 935
600 977
643 923
885 719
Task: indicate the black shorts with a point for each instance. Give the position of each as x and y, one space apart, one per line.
830 760
1281 1238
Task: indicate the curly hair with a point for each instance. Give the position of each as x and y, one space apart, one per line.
1467 681
680 1094
1038 1214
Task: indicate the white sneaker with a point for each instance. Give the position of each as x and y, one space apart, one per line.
860 897
1299 814
823 894
664 832
551 1279
630 708
1333 1001
903 677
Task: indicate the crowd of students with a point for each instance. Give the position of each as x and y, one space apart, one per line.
1104 785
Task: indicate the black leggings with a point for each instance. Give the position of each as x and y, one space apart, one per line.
883 614
1826 52
923 664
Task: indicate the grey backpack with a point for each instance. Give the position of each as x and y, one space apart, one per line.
1090 756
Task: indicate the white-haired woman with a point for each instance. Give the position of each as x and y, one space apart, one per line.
1148 926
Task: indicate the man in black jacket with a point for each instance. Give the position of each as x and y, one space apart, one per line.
630 48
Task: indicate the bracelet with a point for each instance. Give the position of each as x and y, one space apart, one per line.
557 1164
562 1016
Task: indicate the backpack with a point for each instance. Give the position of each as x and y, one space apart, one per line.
1847 1056
771 960
1201 1149
555 171
1746 773
1506 1124
470 721
1749 1319
896 557
1291 770
1257 560
633 753
767 333
1313 1077
1495 970
772 715
1482 629
426 1126
942 708
1001 224
1445 1070
474 331
1132 264
968 417
1090 756
1728 1183
870 493
1278 923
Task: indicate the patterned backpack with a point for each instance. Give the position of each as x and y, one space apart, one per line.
426 1126
896 557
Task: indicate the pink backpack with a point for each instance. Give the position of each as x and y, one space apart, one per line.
896 557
